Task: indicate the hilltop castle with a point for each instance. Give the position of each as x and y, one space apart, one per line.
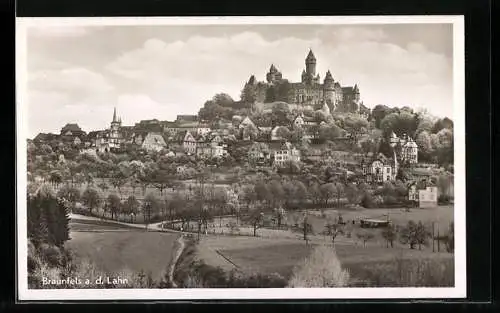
310 91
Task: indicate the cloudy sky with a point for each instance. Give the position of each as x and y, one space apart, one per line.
78 74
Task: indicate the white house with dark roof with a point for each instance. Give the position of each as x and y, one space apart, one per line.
153 142
189 143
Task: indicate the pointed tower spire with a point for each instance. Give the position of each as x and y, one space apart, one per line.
310 56
114 115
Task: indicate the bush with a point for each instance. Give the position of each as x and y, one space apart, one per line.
255 280
50 254
321 269
367 201
444 199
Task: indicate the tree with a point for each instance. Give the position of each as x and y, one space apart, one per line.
450 238
445 137
150 207
256 218
224 100
249 92
113 205
410 234
327 191
69 194
378 114
424 143
355 125
399 123
306 226
279 214
47 217
441 124
284 133
316 194
118 179
277 194
321 269
333 229
131 206
365 236
389 233
90 198
301 192
262 192
422 235
329 132
352 194
339 192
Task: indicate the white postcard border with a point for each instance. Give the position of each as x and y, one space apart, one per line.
459 291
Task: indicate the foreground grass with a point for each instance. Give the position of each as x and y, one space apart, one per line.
113 251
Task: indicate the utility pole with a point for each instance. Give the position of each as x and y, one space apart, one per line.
433 237
439 240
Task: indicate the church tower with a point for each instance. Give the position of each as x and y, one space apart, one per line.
116 123
114 132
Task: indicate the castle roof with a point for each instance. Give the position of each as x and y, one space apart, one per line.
273 69
310 56
349 89
328 76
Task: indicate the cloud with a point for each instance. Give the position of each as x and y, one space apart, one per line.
59 31
386 72
76 82
160 78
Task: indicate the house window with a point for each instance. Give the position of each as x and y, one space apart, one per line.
388 177
388 170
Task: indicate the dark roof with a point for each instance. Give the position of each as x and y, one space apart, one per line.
71 127
93 134
187 117
348 89
46 137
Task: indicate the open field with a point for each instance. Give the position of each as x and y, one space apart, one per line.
114 247
262 255
441 215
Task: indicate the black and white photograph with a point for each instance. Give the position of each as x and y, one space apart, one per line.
240 158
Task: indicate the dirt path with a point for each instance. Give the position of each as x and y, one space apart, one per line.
175 259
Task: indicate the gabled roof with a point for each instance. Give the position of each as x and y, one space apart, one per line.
46 137
72 127
349 89
155 138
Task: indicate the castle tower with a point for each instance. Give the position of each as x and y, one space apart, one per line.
356 93
329 89
311 64
273 74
